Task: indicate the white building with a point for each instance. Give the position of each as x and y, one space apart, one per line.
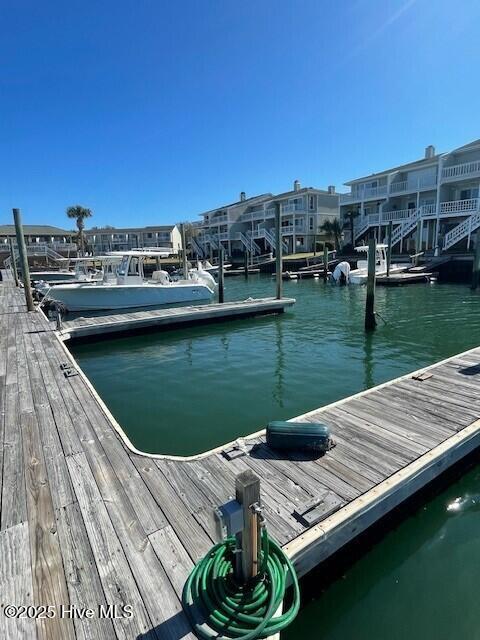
113 239
249 223
439 191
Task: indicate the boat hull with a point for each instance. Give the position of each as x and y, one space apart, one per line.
46 276
91 297
360 276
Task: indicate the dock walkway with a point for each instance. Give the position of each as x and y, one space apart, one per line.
86 520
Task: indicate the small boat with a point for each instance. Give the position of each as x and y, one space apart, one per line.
87 270
211 268
131 290
360 274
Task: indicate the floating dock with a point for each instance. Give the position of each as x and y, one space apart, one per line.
162 319
88 520
400 279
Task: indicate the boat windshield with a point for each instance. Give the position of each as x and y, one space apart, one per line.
122 267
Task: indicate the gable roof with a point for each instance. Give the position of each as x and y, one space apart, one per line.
35 230
423 162
262 196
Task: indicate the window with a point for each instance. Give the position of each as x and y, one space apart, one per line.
311 203
465 194
310 224
411 205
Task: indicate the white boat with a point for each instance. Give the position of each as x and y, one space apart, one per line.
360 274
131 290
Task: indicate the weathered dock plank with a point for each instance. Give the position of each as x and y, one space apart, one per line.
100 523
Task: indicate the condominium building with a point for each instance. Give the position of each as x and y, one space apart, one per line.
249 223
100 240
436 196
40 240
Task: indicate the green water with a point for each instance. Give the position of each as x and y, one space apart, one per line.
185 391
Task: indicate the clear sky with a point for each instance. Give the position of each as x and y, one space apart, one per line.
149 112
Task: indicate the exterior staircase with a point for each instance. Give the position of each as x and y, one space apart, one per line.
462 230
270 238
197 248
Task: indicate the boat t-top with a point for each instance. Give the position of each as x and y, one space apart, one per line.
359 275
87 269
131 289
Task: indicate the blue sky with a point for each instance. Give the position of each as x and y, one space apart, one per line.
150 112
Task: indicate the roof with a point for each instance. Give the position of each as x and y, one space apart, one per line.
151 228
302 190
423 162
262 196
35 230
470 146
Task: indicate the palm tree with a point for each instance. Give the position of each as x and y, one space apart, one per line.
351 215
79 213
333 229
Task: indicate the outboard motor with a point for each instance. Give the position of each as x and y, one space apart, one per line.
341 273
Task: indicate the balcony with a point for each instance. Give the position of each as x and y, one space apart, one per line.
461 171
289 229
293 208
412 185
459 207
395 189
364 193
252 215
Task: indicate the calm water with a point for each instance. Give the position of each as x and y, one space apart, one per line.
185 391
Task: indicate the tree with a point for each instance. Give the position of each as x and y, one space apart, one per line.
333 229
79 213
351 217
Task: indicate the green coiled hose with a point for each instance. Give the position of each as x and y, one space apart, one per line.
218 607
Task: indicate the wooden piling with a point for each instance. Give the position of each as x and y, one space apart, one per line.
418 243
22 250
245 264
370 322
325 262
221 276
247 493
184 251
13 260
278 250
476 263
389 248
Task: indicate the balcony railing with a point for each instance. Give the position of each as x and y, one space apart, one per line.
395 188
459 206
460 171
293 208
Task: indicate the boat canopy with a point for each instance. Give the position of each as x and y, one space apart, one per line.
364 248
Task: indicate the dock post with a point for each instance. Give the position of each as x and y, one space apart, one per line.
418 243
325 262
370 322
278 250
247 493
245 264
22 250
184 252
476 262
221 277
389 248
14 262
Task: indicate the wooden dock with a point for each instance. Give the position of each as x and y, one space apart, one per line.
87 520
161 319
